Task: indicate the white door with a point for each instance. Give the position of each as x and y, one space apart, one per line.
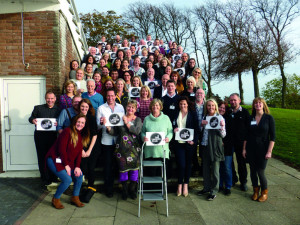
19 96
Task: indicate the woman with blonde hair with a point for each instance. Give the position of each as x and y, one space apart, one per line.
64 158
65 100
121 92
213 150
259 145
197 74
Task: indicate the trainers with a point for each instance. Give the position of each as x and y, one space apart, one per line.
202 192
244 187
211 197
227 191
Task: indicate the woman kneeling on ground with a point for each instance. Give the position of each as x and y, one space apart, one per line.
64 159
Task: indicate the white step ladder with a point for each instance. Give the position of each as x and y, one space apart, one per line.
153 194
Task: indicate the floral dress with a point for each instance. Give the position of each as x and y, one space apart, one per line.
128 145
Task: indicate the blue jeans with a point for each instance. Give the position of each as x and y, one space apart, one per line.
66 180
226 172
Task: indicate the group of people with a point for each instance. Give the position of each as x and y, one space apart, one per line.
171 97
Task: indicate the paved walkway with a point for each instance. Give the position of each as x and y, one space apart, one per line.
282 207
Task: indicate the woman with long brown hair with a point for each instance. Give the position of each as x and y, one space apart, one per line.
64 159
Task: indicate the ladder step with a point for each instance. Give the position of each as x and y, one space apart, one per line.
153 197
152 163
152 190
154 180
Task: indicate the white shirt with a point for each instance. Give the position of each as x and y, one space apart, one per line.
103 111
164 91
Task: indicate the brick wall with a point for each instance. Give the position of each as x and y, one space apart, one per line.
48 48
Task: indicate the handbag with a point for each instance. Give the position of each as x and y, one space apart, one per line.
87 194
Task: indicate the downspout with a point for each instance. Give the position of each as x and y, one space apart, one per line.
22 29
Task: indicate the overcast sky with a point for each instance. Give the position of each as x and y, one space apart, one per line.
224 88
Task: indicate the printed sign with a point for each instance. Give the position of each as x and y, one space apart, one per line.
133 44
143 59
117 44
113 55
102 43
114 119
181 71
213 122
134 92
77 84
155 138
165 46
184 134
124 48
153 48
151 84
143 47
46 124
176 57
149 43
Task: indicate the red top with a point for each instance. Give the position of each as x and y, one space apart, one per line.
64 149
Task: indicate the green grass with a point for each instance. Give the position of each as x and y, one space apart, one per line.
287 143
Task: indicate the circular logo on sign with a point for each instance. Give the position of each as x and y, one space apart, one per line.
125 49
184 134
143 47
143 59
46 124
135 92
114 119
149 43
176 57
151 85
214 121
180 71
113 55
153 49
155 138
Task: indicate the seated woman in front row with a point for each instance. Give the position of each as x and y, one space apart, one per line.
64 158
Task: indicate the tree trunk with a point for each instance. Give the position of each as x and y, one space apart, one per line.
209 92
255 82
283 86
241 87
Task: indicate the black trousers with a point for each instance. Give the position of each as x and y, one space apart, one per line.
89 164
43 142
241 161
109 167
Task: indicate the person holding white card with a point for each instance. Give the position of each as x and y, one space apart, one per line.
44 139
213 151
157 121
108 141
79 81
64 158
259 145
184 150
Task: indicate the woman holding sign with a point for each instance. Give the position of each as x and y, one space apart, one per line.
157 122
64 158
127 149
259 145
185 144
213 150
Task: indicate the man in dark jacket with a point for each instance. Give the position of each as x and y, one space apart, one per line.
237 124
44 139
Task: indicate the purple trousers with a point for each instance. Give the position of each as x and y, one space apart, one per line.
133 175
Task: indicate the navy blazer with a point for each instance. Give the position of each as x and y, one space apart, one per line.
191 123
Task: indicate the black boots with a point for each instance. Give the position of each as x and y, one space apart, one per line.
124 190
132 190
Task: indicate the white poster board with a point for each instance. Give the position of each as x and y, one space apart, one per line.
113 55
114 119
155 138
117 44
134 92
46 124
184 134
151 84
181 71
176 57
143 59
213 122
149 43
154 48
124 48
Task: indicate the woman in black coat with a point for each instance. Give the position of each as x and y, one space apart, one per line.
186 118
259 145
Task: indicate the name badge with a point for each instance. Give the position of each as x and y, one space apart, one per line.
58 160
192 94
172 107
253 122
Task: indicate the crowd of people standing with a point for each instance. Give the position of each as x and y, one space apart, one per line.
171 97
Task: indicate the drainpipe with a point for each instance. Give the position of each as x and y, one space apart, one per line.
22 29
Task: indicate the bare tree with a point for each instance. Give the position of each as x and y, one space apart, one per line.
278 15
204 16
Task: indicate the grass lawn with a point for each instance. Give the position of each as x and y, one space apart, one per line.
287 143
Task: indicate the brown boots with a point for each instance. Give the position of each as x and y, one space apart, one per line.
255 193
264 195
56 203
75 200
